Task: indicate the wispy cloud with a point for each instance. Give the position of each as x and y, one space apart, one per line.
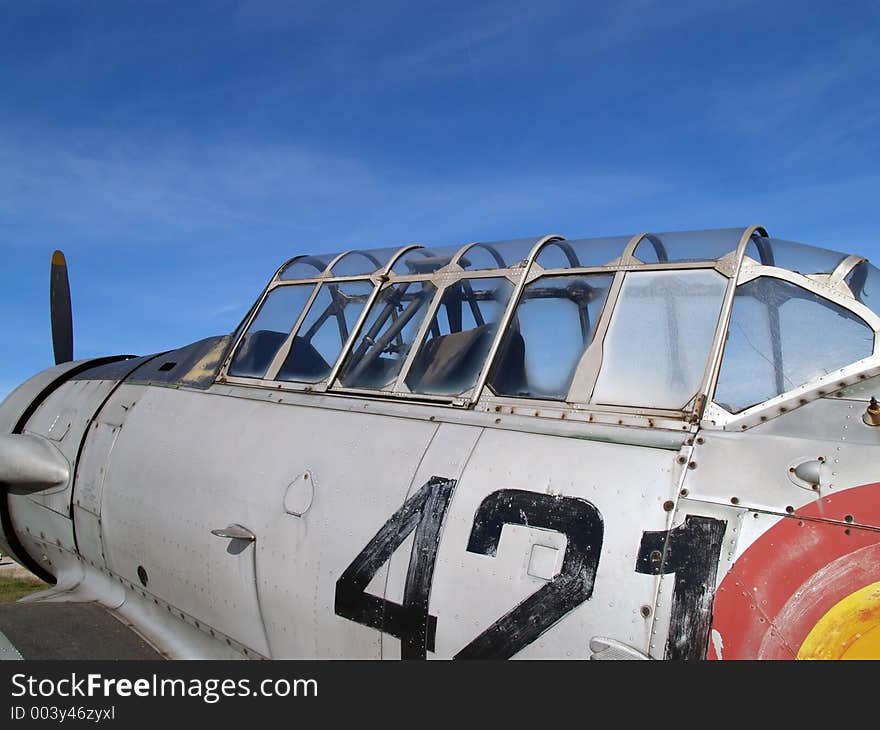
168 190
106 186
803 92
618 25
831 213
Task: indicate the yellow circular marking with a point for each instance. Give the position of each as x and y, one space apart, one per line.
849 630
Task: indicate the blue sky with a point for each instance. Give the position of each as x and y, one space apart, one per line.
178 152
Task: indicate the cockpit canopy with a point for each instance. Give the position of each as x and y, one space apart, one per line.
651 323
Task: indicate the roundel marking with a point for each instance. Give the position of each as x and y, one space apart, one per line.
849 630
796 578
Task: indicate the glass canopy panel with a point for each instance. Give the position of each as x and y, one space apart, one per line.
683 246
794 256
425 260
307 267
582 252
659 338
279 312
864 282
758 248
772 346
553 325
454 351
324 331
497 255
356 263
387 335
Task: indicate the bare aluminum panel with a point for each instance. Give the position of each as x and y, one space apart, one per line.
64 417
755 468
627 486
165 491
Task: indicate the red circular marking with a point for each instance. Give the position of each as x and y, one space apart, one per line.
786 580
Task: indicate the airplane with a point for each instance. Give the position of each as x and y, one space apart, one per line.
653 446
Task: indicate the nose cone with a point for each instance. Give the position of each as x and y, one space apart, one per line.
14 412
29 463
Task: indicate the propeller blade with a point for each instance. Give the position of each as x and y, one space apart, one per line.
59 304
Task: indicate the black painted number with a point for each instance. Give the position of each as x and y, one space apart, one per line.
575 518
410 622
691 551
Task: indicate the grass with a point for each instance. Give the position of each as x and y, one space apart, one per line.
13 588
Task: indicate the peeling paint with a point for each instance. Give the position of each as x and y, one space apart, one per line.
717 643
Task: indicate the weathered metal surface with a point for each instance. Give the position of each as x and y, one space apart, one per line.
117 369
22 401
829 432
193 366
15 411
551 419
64 417
567 495
300 494
777 593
